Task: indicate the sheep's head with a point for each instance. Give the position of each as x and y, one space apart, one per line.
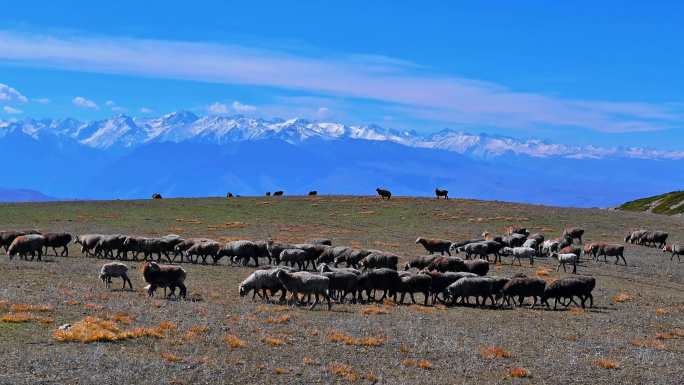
506 251
243 290
667 248
419 240
103 277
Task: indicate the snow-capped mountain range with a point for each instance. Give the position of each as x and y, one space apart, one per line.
124 132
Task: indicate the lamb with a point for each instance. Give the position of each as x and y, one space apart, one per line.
476 266
27 244
442 193
523 287
384 194
306 283
379 259
420 263
456 246
565 259
675 249
573 233
483 250
435 245
55 240
243 250
113 270
520 252
171 276
383 279
444 264
592 249
342 283
150 246
294 256
88 242
476 287
415 283
263 280
204 250
612 250
567 288
182 247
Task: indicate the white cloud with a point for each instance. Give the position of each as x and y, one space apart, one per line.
239 107
11 110
418 92
11 95
81 102
323 112
118 109
218 108
41 100
146 110
110 103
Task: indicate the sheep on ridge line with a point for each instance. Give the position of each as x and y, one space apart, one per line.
384 194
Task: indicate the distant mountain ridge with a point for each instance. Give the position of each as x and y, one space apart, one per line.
124 132
671 203
22 195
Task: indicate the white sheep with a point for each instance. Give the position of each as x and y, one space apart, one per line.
115 269
520 252
262 280
306 283
549 246
565 259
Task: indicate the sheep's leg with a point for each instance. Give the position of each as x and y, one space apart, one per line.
534 301
412 299
315 302
327 298
558 267
384 295
574 268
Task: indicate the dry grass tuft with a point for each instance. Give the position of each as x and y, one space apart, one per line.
404 349
622 297
519 372
421 363
25 308
170 357
349 340
542 272
281 370
491 352
308 361
344 371
122 318
273 341
374 310
272 309
661 311
283 319
577 311
371 377
233 341
678 332
648 344
93 306
165 325
665 336
92 329
607 363
24 317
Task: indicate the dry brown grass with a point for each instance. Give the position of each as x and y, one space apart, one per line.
274 341
362 341
308 361
123 318
542 272
491 352
93 306
648 344
421 363
26 308
281 370
622 297
24 317
92 329
665 336
607 363
404 349
170 357
519 372
344 371
233 341
661 312
374 310
272 309
282 319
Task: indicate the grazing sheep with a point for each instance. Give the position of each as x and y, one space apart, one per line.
377 260
514 240
150 246
242 251
520 252
635 236
414 283
107 244
384 193
675 249
383 279
306 283
611 250
27 244
517 230
6 237
592 249
313 252
458 246
444 264
262 248
435 245
278 193
263 280
550 246
477 266
476 287
294 256
442 193
321 241
323 268
483 250
420 263
567 288
572 249
204 250
565 259
113 270
55 240
331 253
88 243
440 282
182 247
523 287
156 196
655 239
342 283
170 276
313 193
532 243
274 249
573 233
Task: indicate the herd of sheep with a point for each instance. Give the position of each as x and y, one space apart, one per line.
313 269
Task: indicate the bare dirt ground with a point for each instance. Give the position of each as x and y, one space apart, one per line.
636 325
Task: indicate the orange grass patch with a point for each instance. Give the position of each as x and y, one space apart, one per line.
374 310
622 297
283 319
281 370
92 329
273 341
607 363
93 306
422 364
170 357
344 371
519 372
648 344
661 311
491 352
24 317
26 308
349 340
233 341
542 272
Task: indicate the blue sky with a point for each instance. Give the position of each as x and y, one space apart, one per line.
587 72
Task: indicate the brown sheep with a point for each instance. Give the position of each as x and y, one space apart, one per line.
55 240
435 245
384 194
442 193
26 244
170 276
573 233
